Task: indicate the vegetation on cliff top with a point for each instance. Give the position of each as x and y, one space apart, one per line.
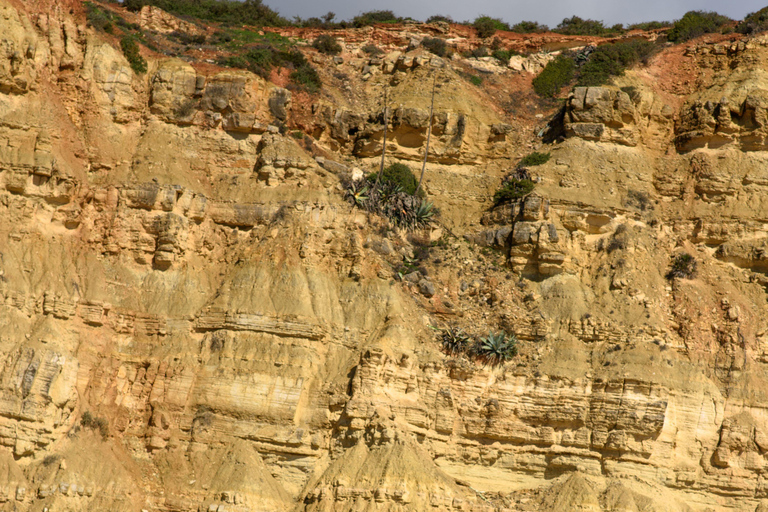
754 22
249 12
694 24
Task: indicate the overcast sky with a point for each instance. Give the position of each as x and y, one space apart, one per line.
549 12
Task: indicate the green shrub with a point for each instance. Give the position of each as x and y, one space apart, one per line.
754 22
131 51
98 18
575 26
187 39
512 190
684 266
439 17
399 175
557 74
475 80
393 198
534 158
477 53
611 60
694 24
650 25
487 26
230 12
372 50
502 56
529 27
327 44
435 45
306 76
496 348
372 17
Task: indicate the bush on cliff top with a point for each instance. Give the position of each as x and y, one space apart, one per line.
575 26
694 24
249 12
754 22
372 17
487 26
611 60
529 27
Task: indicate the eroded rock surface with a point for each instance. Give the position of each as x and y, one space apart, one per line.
194 317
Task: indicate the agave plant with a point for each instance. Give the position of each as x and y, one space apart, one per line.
496 348
358 193
455 341
424 213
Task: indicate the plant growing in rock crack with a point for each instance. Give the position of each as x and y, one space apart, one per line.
393 194
512 189
683 266
357 193
496 348
455 340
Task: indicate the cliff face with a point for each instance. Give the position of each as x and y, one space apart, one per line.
192 317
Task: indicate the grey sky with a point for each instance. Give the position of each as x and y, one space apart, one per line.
550 12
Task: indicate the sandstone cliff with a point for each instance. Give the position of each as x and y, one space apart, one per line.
189 278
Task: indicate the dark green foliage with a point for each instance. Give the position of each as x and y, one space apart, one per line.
231 12
512 190
534 158
683 267
754 22
307 77
576 26
393 197
315 22
424 213
455 341
97 423
474 79
557 74
435 45
399 175
187 39
611 60
327 44
694 24
372 17
480 51
98 18
438 17
131 51
487 26
650 25
262 59
388 199
496 348
502 56
529 27
372 50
